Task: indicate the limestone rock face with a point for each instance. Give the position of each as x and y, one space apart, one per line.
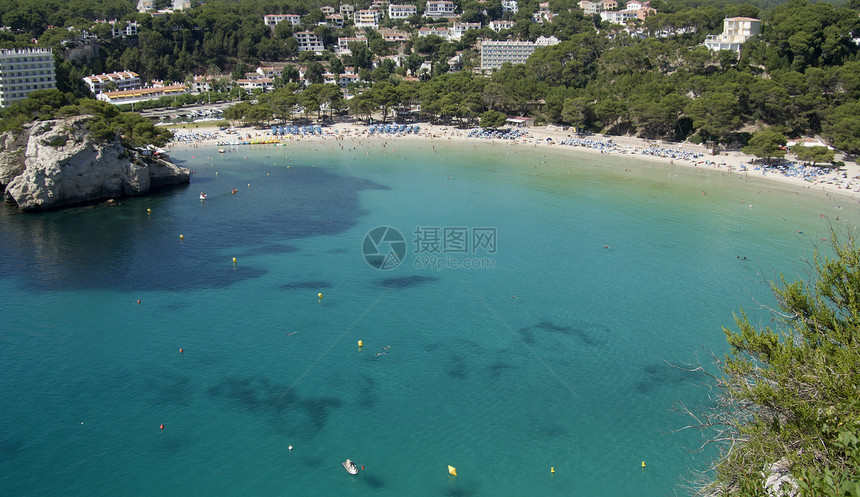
61 165
11 156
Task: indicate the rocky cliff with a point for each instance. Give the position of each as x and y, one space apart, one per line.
57 163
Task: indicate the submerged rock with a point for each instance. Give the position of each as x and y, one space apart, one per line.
57 163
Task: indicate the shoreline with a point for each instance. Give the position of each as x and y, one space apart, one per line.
845 183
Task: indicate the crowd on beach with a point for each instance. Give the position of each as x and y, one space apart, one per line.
809 174
494 134
197 136
735 162
671 153
592 143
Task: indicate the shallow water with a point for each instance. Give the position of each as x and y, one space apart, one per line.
553 354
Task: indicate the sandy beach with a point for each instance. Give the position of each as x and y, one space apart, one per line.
844 183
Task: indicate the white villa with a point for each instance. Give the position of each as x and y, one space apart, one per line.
309 42
402 11
343 43
123 80
273 20
736 30
496 53
500 24
142 94
438 9
366 18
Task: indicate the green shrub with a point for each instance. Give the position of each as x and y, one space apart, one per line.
58 141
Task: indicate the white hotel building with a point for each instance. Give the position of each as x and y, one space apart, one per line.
496 53
23 70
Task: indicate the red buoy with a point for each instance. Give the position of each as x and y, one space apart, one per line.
162 426
180 350
138 301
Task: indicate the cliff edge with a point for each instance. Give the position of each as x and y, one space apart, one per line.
58 163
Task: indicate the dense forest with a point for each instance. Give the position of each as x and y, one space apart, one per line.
801 76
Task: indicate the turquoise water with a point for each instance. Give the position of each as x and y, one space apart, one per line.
554 354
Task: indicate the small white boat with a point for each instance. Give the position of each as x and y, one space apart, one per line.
350 467
202 196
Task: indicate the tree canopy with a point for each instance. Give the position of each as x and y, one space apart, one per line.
106 121
790 395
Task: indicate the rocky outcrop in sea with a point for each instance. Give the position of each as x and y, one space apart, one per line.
57 163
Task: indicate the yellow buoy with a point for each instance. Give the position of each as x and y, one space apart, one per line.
452 470
643 464
181 237
552 470
234 260
149 211
360 344
319 295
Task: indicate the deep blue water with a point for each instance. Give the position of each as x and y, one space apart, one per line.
555 353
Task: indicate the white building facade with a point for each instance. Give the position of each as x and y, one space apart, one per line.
308 41
496 53
456 31
500 24
366 18
618 16
123 80
402 11
273 20
24 70
510 7
343 43
736 30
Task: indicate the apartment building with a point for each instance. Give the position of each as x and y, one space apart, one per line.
308 41
123 80
272 20
24 70
438 9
